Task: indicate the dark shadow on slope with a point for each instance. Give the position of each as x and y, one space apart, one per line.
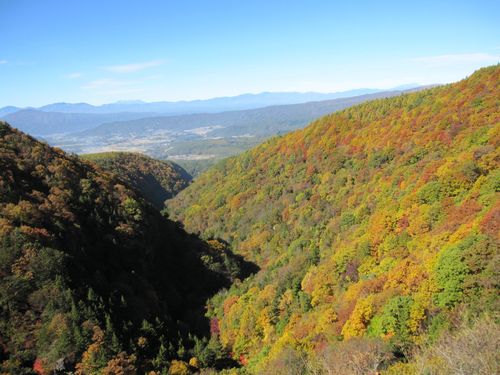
182 172
97 255
245 267
173 276
152 190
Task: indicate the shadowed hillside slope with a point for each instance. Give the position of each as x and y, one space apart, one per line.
157 180
378 223
91 275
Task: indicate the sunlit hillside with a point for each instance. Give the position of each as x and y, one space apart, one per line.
380 222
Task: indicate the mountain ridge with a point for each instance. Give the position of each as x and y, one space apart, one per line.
40 123
217 104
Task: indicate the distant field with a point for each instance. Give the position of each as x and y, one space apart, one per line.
197 156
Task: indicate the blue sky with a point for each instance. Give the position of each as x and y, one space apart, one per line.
103 51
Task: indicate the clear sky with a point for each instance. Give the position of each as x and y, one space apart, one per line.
100 51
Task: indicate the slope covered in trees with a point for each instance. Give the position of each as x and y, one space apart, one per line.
377 233
92 277
157 180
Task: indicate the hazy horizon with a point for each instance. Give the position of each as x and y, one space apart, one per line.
403 86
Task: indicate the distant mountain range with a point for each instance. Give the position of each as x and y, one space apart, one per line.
244 101
41 123
194 139
259 121
8 110
199 137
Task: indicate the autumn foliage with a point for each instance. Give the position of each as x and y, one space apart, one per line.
93 279
380 221
156 180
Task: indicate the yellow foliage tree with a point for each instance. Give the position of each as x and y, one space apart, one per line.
360 317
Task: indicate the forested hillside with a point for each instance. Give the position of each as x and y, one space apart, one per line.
377 233
92 278
157 180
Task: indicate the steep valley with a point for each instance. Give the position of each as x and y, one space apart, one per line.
366 243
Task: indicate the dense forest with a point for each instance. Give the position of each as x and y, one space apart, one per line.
93 279
366 243
157 180
376 231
